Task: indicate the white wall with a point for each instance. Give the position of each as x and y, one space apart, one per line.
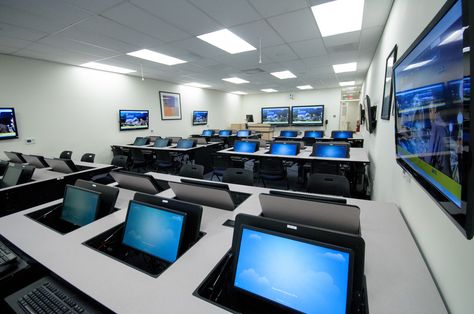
72 108
330 98
448 254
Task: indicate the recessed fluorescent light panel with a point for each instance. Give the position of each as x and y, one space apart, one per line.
239 93
106 67
345 67
269 90
348 83
283 75
305 87
235 80
338 17
195 84
155 57
227 41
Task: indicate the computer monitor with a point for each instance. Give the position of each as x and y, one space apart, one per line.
11 176
154 230
140 141
186 143
246 147
288 133
243 133
293 272
289 149
314 134
162 142
108 195
137 182
80 206
342 134
331 150
15 157
61 165
207 133
36 161
225 132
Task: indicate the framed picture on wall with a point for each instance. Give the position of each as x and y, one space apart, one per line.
170 106
388 85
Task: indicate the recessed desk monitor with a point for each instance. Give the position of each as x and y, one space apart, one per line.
313 134
186 143
193 214
200 140
288 149
246 147
162 142
225 132
342 134
36 161
331 150
15 157
3 166
288 133
80 206
108 195
11 176
208 133
140 141
293 273
137 182
243 133
61 165
321 214
156 231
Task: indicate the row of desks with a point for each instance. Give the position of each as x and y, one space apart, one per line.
398 280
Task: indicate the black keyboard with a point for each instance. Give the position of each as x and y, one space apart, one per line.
48 295
6 255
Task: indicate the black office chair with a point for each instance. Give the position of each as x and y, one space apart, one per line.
192 171
137 159
272 169
67 154
3 166
165 162
117 151
120 161
238 176
219 164
331 184
88 157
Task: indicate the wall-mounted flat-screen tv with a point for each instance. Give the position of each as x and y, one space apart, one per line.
8 127
276 115
200 117
134 119
307 115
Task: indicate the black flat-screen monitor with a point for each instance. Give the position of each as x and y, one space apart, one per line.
11 176
313 134
276 115
162 142
8 126
140 141
288 133
35 160
331 150
61 165
15 157
370 115
154 230
108 195
207 133
225 132
80 206
342 135
243 133
246 147
186 143
433 136
307 115
288 149
200 117
133 119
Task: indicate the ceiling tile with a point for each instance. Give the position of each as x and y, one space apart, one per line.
20 32
254 31
14 42
44 52
342 39
94 5
7 49
296 26
370 37
279 53
62 42
309 48
199 47
228 12
269 8
376 12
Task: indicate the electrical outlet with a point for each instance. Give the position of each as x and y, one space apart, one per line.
29 141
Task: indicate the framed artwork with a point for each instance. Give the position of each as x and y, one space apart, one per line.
170 106
388 85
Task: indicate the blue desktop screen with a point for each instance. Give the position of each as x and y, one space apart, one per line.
200 117
330 151
302 276
225 132
79 206
342 134
185 143
245 147
207 133
284 149
288 133
154 231
243 133
140 141
314 134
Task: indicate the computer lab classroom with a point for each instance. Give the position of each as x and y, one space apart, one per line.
236 156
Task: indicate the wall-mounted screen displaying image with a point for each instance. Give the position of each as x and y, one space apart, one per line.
133 119
276 115
307 115
200 117
8 127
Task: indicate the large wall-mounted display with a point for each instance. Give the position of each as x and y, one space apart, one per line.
276 115
8 127
307 115
133 119
433 108
200 117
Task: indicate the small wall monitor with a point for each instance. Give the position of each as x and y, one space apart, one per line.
314 134
80 206
200 117
154 230
342 134
288 149
370 114
245 147
331 150
8 126
208 133
276 115
288 133
307 115
133 119
292 272
225 132
243 133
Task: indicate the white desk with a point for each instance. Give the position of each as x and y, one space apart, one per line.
398 280
171 148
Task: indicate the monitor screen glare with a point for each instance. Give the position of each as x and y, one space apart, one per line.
284 149
225 132
314 134
245 147
79 206
288 133
330 151
207 133
342 134
243 133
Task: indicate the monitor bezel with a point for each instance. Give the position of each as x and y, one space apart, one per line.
276 124
201 123
307 124
134 128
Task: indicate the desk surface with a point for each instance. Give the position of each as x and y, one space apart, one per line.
355 155
398 280
167 148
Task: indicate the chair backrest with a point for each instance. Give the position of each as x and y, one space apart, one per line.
175 139
66 154
88 157
200 140
238 176
120 161
137 155
329 184
271 166
220 161
3 166
117 151
192 171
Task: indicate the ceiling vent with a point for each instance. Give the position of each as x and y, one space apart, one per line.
252 71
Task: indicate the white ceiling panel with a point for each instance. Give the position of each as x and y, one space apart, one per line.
254 31
95 6
296 26
376 12
66 43
39 51
342 39
14 42
317 61
309 48
370 37
279 53
269 8
199 47
20 32
228 12
7 49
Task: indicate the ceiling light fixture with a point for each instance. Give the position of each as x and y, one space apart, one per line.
337 17
227 41
283 75
155 57
106 67
269 90
348 83
345 67
195 84
304 87
235 80
239 93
